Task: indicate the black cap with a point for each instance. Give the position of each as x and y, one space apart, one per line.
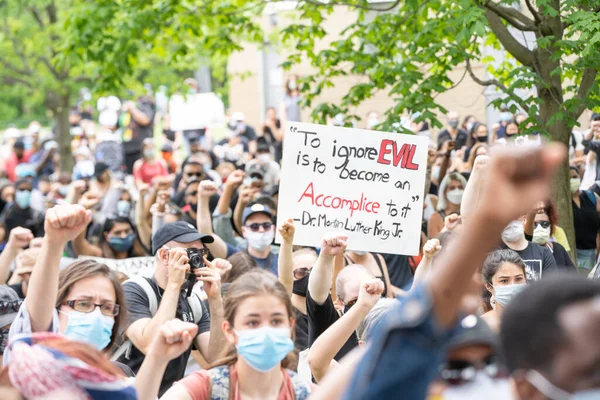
19 144
255 209
595 116
263 147
256 175
472 330
99 169
180 231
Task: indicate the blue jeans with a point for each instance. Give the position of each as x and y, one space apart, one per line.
586 259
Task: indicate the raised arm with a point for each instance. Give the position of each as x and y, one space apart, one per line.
143 226
333 339
285 264
62 224
515 180
246 194
319 281
430 250
80 244
18 239
207 189
222 217
470 200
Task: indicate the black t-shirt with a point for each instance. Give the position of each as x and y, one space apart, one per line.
321 317
301 330
134 134
461 138
586 222
399 270
29 218
561 256
538 260
138 307
249 133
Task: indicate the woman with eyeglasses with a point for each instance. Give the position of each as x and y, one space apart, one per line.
83 302
541 228
504 274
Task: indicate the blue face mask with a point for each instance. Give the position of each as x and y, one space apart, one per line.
264 348
23 198
92 328
123 208
121 244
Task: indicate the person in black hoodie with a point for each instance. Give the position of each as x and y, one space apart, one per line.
20 213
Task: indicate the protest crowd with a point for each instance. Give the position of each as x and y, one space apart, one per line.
151 270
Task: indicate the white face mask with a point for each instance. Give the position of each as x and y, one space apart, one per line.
513 232
482 387
504 294
264 158
541 235
455 196
575 183
260 240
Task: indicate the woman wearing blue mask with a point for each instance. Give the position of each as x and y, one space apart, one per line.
259 326
119 240
84 301
504 274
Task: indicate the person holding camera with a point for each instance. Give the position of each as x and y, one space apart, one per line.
180 260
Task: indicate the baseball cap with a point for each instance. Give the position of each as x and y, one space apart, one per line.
255 209
179 231
9 297
472 330
19 144
595 116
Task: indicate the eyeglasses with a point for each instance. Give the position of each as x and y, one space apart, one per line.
7 306
543 224
351 303
87 306
458 372
196 174
255 227
301 272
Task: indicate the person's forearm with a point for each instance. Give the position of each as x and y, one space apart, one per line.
449 284
470 198
40 166
158 220
149 377
528 227
43 285
6 258
139 117
444 168
203 219
225 199
222 227
237 214
143 228
330 342
336 383
83 248
217 342
166 312
319 280
422 270
285 266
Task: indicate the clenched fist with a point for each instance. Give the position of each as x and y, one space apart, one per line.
65 222
333 244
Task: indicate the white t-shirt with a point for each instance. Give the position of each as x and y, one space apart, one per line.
578 145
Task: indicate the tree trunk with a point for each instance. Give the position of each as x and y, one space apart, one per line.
559 132
63 135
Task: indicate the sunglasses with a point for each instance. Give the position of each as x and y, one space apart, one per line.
255 227
196 174
543 224
8 306
351 303
459 372
87 306
301 272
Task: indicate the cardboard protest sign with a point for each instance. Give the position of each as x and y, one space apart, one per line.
196 111
366 184
131 267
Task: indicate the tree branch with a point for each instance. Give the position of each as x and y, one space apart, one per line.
51 11
360 6
14 68
587 81
36 15
48 65
497 83
533 11
15 46
512 16
12 80
518 51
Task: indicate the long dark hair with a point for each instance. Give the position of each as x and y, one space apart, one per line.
137 250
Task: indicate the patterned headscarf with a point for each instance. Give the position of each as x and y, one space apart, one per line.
38 371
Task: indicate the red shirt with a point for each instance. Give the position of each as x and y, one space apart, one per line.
12 161
147 171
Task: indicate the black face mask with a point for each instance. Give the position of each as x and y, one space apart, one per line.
300 287
482 139
194 207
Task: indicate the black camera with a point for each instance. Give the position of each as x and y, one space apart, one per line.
196 257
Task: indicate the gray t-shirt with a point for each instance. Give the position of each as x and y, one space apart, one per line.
138 307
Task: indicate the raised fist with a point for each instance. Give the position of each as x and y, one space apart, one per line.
65 222
334 244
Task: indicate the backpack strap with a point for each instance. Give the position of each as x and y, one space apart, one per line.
125 348
196 306
219 383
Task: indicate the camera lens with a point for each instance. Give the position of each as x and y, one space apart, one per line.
195 261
